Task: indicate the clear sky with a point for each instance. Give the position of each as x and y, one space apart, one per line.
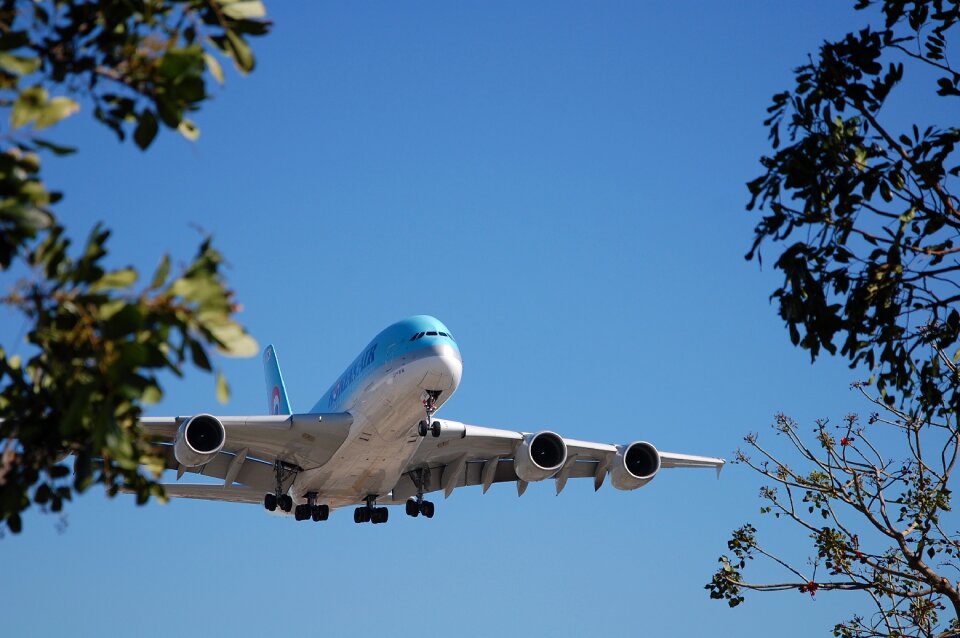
562 184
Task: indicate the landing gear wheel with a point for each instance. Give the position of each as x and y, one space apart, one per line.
379 515
270 502
285 502
426 508
422 428
320 513
358 515
301 512
435 429
413 508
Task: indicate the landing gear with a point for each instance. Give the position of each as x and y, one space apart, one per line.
413 508
282 471
271 502
370 514
312 510
423 429
426 508
417 506
429 399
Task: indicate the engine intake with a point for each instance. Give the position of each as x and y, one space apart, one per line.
540 456
199 440
634 466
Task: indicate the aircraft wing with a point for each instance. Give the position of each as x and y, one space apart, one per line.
230 494
252 444
473 455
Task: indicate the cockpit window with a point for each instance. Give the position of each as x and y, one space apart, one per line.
432 333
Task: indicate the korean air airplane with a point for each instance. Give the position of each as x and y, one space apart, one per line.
372 440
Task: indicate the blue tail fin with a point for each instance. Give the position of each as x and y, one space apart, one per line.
277 402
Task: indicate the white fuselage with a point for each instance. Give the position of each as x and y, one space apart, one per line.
386 412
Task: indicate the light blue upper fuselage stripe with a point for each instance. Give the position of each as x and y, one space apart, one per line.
392 343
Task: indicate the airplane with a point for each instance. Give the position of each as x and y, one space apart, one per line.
372 441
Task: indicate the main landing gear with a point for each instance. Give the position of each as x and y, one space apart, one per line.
311 509
273 501
417 506
282 471
430 405
370 514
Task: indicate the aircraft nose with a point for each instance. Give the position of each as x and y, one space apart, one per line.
443 371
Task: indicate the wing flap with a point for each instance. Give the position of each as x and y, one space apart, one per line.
252 473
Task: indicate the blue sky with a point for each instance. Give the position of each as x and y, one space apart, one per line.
562 184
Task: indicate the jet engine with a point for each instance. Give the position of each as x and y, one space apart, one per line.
540 456
634 466
199 440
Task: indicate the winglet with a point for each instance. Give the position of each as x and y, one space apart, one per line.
277 402
720 467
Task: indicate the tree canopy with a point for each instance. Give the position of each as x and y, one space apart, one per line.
863 209
97 339
857 201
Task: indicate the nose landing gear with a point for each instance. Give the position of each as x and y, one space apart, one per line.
430 405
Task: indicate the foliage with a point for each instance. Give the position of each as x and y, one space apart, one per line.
97 344
860 203
877 523
863 206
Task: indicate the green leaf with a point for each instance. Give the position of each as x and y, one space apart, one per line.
56 149
146 129
180 63
213 65
240 52
55 110
163 270
108 310
223 390
116 279
18 64
28 106
244 10
151 395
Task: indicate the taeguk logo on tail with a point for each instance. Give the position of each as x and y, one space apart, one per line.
276 400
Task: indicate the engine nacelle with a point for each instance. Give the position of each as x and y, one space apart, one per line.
634 466
540 456
199 440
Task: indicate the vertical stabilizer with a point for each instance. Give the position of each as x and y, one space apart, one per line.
277 402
